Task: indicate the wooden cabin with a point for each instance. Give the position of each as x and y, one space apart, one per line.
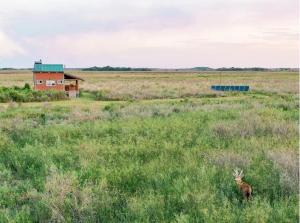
53 77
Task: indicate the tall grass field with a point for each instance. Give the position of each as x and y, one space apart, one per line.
152 147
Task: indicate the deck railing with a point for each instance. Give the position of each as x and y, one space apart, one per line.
71 87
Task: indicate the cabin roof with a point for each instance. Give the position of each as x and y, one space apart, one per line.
72 77
39 67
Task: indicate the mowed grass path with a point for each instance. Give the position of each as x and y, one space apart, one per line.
166 161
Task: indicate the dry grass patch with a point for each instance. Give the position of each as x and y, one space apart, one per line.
230 159
288 163
63 194
251 124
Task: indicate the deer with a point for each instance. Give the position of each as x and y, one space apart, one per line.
244 187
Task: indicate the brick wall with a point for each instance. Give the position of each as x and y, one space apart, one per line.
46 78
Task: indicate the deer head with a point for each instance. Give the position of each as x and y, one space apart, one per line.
238 175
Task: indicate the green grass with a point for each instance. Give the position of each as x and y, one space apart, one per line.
26 94
150 161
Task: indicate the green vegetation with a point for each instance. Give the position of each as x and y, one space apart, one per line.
203 68
242 69
169 159
6 68
26 94
109 68
106 95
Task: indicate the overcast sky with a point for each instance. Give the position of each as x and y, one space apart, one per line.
150 33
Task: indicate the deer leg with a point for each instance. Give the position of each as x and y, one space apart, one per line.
247 195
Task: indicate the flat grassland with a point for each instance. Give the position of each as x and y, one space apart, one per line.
149 85
152 147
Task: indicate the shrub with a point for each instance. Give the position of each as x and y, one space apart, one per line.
27 86
26 94
101 95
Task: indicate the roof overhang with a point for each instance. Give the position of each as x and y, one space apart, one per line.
72 77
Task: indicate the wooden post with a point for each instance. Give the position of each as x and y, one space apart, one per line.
77 89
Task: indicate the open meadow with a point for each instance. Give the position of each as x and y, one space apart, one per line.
152 147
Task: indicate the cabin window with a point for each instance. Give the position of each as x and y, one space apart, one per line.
50 83
60 81
39 81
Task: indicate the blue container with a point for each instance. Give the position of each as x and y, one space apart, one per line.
230 88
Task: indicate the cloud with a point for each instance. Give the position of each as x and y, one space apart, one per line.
8 47
170 48
154 32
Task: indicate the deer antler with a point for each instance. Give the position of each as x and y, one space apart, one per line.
236 172
241 173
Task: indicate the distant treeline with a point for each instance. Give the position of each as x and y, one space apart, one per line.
109 68
242 69
202 68
12 69
230 69
6 68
